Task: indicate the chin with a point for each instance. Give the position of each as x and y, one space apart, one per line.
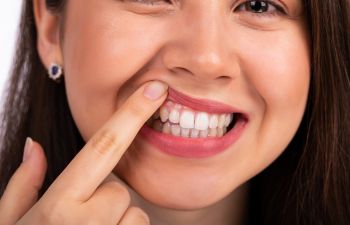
174 183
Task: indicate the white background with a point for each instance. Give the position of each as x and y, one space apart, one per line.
9 20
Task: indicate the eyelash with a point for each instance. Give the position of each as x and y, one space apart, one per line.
273 9
276 9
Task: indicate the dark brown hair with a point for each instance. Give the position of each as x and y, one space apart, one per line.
308 184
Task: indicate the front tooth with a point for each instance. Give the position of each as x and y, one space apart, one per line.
185 132
167 128
194 133
213 121
175 130
221 121
164 114
228 119
187 119
174 116
201 121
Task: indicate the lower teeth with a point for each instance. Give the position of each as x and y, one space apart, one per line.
176 130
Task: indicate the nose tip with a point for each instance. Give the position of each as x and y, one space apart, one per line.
202 49
204 59
207 63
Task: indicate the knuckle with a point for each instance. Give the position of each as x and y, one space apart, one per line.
104 142
118 191
140 217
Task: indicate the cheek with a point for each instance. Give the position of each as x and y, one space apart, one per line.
278 69
278 66
282 76
100 55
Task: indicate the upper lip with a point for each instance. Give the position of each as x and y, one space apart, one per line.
204 105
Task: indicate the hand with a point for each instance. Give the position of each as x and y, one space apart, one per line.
79 195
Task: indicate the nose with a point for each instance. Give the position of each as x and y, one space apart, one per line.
201 45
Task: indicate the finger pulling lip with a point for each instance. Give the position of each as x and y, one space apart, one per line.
196 147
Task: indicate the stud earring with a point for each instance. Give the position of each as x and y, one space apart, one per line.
55 72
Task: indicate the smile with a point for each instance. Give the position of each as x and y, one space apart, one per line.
179 120
194 128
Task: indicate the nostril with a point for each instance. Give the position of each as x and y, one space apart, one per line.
224 77
180 70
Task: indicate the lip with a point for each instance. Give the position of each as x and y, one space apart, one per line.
205 105
196 147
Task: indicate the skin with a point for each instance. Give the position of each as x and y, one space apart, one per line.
206 49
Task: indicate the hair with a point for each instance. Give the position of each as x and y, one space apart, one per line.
308 184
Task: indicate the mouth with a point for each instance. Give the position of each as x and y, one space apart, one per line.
179 120
195 128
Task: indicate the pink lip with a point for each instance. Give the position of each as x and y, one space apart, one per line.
196 147
200 104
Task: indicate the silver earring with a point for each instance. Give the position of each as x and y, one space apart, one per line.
55 72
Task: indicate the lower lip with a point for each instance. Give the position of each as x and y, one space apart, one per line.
193 147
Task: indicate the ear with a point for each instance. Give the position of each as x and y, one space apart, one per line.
48 34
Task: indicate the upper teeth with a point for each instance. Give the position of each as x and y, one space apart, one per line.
174 116
190 119
187 119
201 121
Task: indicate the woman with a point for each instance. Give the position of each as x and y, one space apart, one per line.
178 112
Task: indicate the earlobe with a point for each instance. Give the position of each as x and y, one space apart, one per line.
48 33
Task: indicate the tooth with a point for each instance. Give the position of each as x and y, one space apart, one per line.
157 125
164 114
220 132
201 121
221 121
212 132
174 116
213 121
166 128
194 133
185 132
175 130
228 119
203 133
187 119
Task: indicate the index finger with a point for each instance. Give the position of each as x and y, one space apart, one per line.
103 151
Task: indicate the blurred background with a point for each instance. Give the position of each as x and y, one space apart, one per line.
9 19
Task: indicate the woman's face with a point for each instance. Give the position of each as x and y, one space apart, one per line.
248 55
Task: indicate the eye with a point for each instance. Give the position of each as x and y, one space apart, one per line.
261 7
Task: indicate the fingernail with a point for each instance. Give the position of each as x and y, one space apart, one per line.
27 149
155 90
